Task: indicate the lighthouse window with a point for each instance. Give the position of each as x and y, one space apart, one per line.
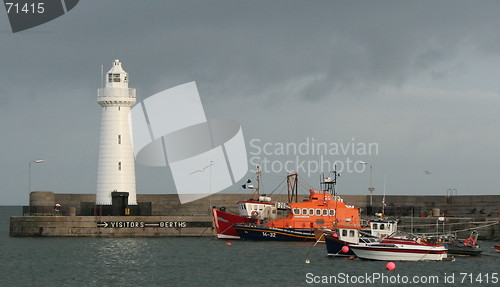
116 77
110 78
119 139
119 165
125 79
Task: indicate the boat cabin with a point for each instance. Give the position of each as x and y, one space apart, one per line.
261 209
382 228
348 235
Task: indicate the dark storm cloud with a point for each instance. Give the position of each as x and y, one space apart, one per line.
351 43
295 64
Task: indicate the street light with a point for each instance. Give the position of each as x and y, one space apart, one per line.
451 192
209 179
371 189
29 172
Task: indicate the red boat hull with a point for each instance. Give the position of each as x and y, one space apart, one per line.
224 222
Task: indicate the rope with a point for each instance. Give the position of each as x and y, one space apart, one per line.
277 186
226 229
451 223
308 251
309 186
460 230
319 239
203 231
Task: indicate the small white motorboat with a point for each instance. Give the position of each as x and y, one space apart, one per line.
396 249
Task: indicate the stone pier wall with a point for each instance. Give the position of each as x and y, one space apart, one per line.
110 226
477 206
167 208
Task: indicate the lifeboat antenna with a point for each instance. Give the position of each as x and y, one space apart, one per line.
328 183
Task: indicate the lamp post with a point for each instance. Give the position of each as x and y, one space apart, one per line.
29 172
210 184
371 189
451 192
209 180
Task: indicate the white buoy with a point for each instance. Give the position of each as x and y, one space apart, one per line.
308 261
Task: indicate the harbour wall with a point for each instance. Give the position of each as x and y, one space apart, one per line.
471 206
74 217
110 226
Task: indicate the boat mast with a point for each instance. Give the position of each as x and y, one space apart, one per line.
292 183
328 186
249 185
383 200
257 190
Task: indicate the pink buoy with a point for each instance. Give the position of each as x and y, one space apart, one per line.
390 266
335 235
345 248
351 257
229 243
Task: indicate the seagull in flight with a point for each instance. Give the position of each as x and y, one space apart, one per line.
203 169
427 172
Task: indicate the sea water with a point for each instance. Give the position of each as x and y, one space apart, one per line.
206 261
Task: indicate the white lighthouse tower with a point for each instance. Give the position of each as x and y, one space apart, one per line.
116 170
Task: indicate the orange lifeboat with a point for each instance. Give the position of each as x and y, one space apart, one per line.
323 209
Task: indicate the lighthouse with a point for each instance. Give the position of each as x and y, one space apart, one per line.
116 170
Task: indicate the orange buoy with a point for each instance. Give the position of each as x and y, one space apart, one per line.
469 242
345 248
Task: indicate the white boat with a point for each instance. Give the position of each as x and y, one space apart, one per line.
381 228
376 230
395 249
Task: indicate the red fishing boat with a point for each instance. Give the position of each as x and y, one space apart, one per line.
252 211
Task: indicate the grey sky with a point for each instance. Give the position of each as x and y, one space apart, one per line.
420 78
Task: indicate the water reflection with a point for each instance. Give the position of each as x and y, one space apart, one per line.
121 251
